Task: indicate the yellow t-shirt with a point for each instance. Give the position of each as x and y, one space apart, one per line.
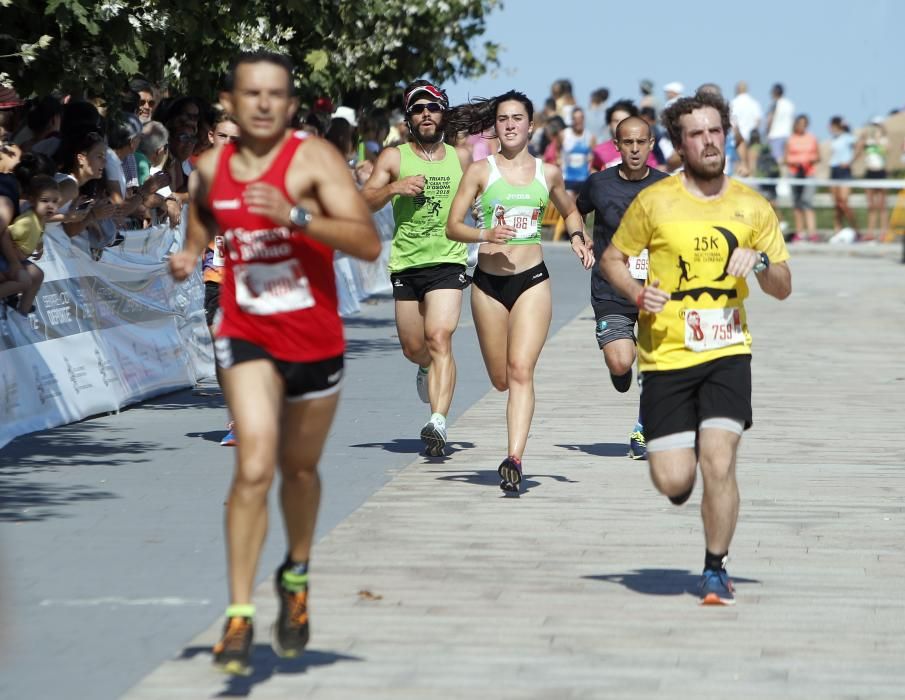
26 232
689 242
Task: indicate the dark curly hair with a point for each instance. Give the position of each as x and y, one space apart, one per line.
478 115
686 105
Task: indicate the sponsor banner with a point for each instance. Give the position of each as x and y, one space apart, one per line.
105 333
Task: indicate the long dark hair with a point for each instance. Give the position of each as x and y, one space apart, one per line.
479 114
67 154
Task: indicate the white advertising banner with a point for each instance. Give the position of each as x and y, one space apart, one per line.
104 333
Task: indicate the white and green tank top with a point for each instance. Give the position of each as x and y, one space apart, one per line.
519 206
420 236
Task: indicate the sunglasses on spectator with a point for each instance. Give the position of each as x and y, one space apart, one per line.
149 103
186 138
432 107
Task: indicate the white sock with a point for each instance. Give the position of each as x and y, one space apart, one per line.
438 419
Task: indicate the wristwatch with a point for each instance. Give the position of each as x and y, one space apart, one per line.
762 264
300 217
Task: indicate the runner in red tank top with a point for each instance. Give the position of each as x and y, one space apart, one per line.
283 204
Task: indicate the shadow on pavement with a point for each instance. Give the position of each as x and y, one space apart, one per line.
357 347
414 446
600 449
492 478
660 581
366 322
209 435
32 501
266 664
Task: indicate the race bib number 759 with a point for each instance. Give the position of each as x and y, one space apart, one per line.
709 329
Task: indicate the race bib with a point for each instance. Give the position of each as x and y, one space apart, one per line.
264 289
637 265
219 259
709 329
576 161
524 220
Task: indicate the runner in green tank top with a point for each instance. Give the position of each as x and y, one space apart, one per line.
427 270
510 299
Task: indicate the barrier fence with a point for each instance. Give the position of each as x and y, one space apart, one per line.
111 332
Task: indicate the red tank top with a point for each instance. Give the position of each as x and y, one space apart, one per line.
279 290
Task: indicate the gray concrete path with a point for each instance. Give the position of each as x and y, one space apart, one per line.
111 542
438 587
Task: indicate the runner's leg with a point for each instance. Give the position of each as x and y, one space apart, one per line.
491 321
442 308
619 356
720 502
303 432
529 323
254 395
410 328
673 471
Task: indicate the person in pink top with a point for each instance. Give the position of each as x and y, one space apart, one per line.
606 155
801 157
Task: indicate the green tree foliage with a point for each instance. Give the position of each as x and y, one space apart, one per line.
356 50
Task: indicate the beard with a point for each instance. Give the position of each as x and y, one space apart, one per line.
429 139
707 171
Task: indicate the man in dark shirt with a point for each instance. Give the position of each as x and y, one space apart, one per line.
608 194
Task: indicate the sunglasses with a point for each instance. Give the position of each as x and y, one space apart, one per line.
147 103
432 107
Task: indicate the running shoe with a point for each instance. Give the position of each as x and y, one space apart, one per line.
434 438
421 386
622 383
510 471
229 440
290 631
233 652
637 446
715 588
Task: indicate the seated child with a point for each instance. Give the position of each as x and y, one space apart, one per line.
27 232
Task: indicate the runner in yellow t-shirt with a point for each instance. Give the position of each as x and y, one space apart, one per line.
705 234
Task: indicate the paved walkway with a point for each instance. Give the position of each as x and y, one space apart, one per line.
438 587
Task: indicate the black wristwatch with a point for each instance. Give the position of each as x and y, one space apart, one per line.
300 217
576 233
762 264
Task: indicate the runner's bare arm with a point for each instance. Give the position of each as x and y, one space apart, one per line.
574 223
201 227
384 183
776 280
470 187
345 221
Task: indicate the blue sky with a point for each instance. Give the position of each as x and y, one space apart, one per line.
833 56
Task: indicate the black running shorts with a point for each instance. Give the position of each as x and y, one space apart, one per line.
676 401
506 289
303 380
413 284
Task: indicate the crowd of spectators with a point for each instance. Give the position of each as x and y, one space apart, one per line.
764 143
100 169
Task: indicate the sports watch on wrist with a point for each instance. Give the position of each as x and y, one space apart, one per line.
300 217
762 264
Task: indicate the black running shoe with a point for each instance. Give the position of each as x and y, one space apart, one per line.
290 631
510 471
623 382
233 652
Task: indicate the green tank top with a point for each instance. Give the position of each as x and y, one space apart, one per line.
519 206
420 236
